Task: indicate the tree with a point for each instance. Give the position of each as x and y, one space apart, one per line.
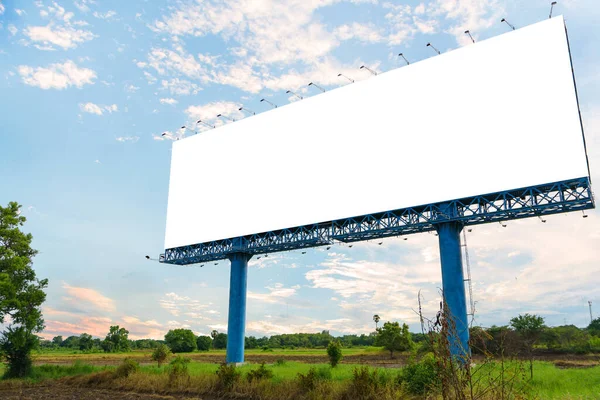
71 342
204 343
530 328
394 338
116 340
594 327
21 293
181 340
220 341
86 342
376 318
160 353
334 351
57 341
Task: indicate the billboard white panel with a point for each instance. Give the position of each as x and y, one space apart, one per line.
496 115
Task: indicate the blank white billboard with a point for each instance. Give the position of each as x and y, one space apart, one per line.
496 115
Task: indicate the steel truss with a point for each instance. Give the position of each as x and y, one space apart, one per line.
551 198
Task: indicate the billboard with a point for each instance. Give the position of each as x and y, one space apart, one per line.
496 115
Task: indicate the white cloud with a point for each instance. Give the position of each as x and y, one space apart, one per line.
169 100
20 12
131 139
57 76
92 108
131 88
107 15
178 86
176 304
2 8
12 29
360 32
276 294
209 112
82 5
59 32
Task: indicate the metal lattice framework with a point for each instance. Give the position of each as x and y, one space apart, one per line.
534 201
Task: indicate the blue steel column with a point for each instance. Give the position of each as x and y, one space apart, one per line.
236 326
453 285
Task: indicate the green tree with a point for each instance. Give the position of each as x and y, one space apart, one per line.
204 343
220 341
181 340
530 328
594 327
86 342
160 353
57 341
21 293
334 352
117 340
376 318
393 337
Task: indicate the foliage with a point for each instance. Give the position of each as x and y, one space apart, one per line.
181 340
160 354
57 340
365 383
227 376
86 342
204 343
178 369
259 374
594 327
420 377
307 382
21 293
220 341
127 367
116 340
334 352
376 319
530 328
394 338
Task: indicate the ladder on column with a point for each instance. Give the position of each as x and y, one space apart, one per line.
468 280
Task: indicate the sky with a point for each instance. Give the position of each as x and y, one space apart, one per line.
88 88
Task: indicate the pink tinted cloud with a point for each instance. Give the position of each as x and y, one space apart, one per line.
90 296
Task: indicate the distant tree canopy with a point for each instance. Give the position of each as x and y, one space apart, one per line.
86 342
21 293
594 327
117 340
220 341
204 343
181 340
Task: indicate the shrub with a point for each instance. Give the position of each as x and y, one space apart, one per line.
161 353
127 367
181 340
308 381
420 377
280 362
365 383
227 376
178 369
259 374
334 351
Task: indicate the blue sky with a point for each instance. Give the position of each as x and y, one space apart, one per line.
89 86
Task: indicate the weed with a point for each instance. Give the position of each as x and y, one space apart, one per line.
227 376
127 368
259 374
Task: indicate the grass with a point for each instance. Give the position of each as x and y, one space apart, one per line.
550 382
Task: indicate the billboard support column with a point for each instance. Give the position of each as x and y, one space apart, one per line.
453 284
236 326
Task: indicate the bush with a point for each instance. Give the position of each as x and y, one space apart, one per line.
178 369
365 383
127 367
160 354
280 362
334 351
308 381
259 374
181 340
204 343
227 376
420 377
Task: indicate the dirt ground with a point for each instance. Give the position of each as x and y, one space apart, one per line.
57 391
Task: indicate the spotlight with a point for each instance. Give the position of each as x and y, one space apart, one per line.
204 123
258 258
274 106
201 265
469 230
328 247
317 86
147 257
508 23
266 255
405 238
247 110
436 50
402 55
542 219
551 8
303 252
368 69
342 75
216 263
584 214
502 223
380 243
226 117
297 95
469 33
351 245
